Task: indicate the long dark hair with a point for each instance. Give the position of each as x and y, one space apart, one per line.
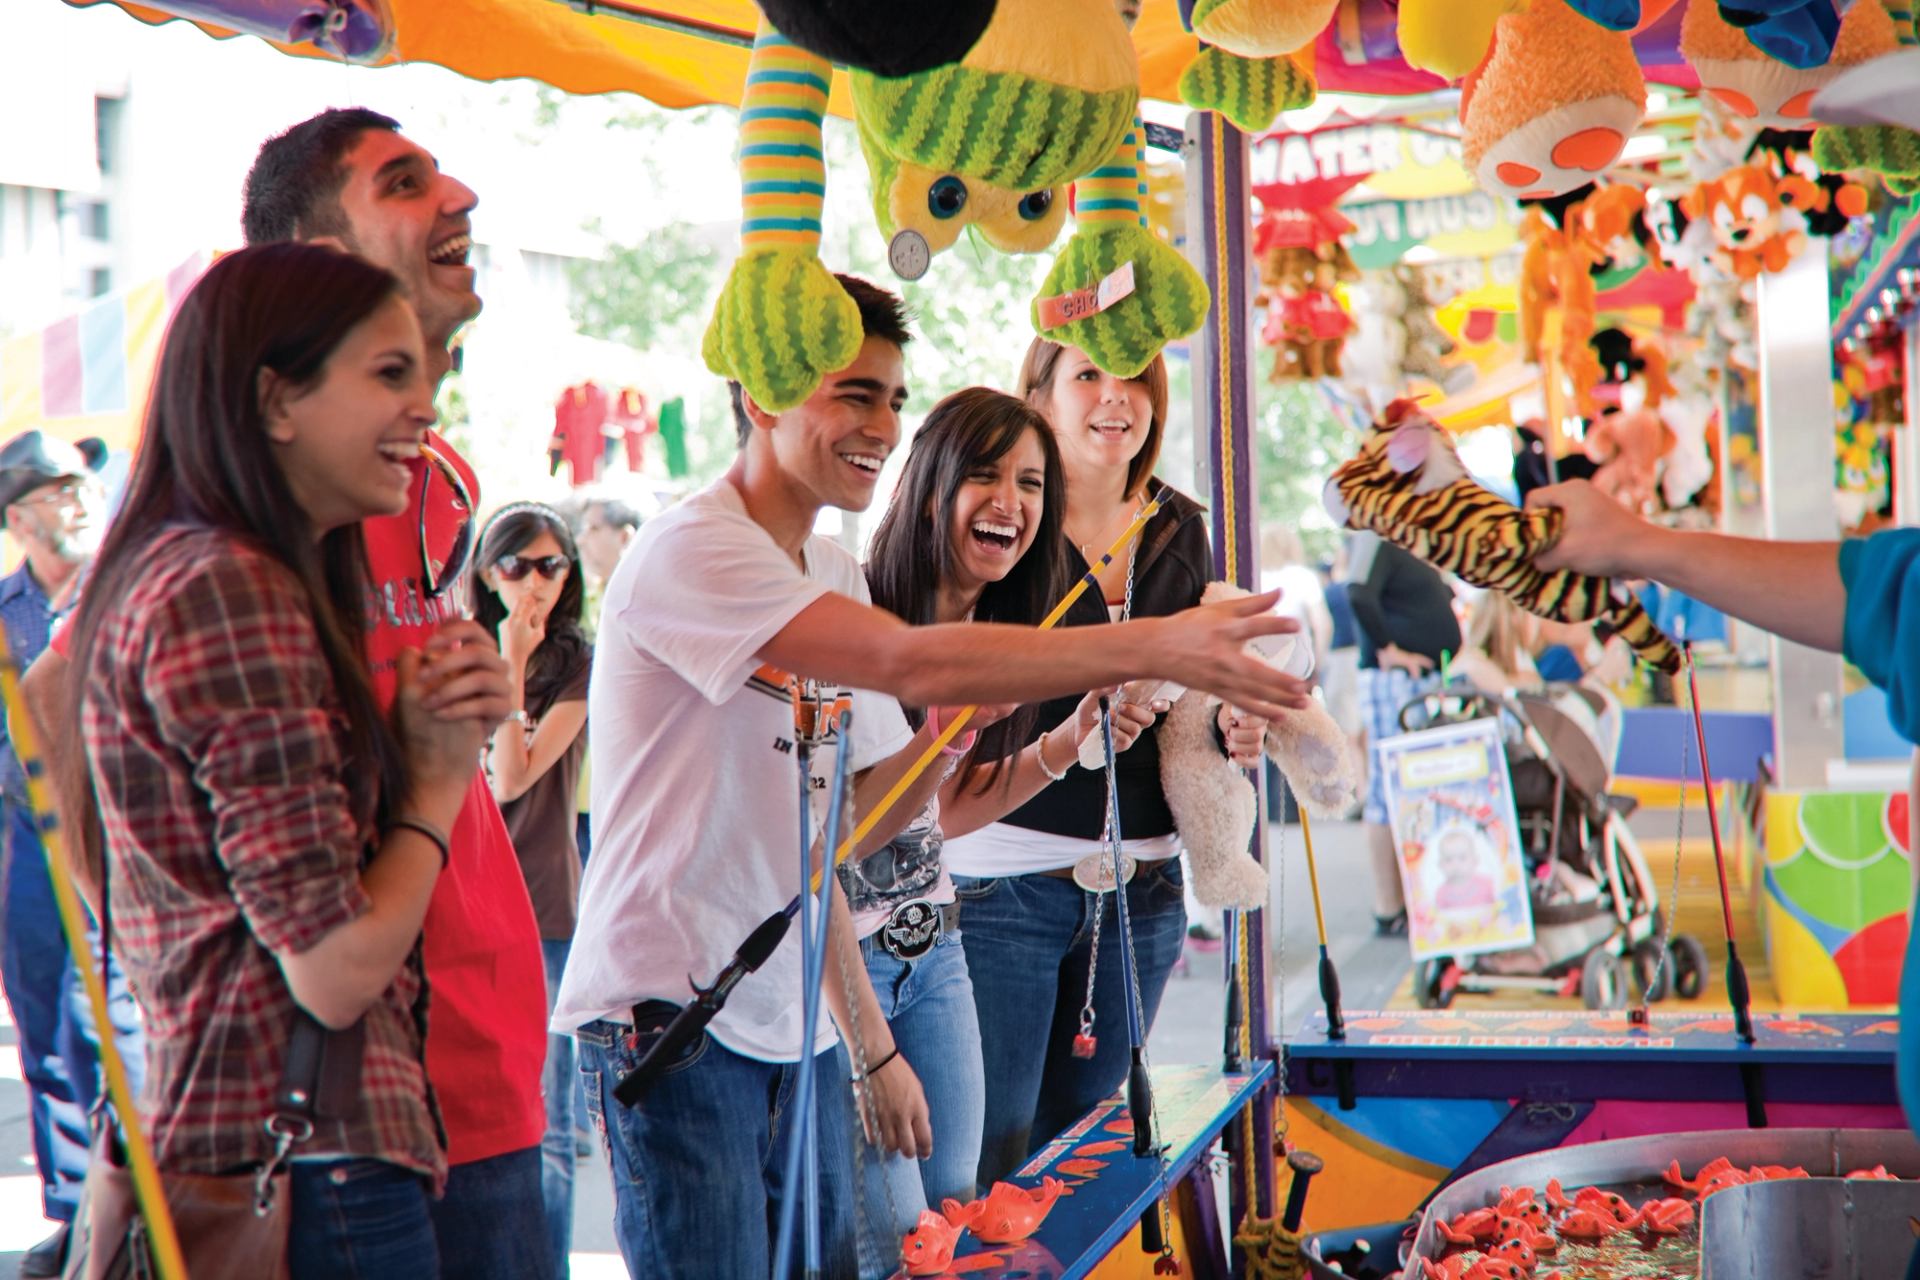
913 549
563 652
205 462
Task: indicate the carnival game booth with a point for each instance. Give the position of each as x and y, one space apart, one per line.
1688 134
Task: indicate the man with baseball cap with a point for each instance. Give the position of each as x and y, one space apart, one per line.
54 511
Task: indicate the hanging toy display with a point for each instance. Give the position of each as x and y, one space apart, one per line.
1300 246
1427 344
1256 60
1552 106
1755 87
1827 201
1409 486
1117 291
1752 218
1558 300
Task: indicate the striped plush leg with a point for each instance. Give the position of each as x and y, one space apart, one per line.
1169 299
782 322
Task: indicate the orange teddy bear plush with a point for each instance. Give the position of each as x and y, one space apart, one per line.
1755 223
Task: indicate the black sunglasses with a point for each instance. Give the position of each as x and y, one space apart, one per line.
513 568
441 574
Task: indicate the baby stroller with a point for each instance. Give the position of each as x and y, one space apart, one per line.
1596 910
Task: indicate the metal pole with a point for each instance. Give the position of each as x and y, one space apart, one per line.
1796 461
1219 232
1906 448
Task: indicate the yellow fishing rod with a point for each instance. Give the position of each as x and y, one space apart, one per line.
161 1237
765 938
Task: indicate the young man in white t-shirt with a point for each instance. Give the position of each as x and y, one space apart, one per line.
694 801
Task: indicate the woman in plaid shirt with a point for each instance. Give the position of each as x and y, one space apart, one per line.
271 839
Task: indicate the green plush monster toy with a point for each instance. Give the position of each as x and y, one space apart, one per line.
1257 61
991 142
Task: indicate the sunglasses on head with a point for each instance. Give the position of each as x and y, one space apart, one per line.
514 568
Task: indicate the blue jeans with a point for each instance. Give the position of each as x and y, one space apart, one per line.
1029 940
929 1006
59 1056
360 1220
492 1223
558 1082
698 1166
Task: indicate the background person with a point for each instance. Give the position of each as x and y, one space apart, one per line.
55 512
528 593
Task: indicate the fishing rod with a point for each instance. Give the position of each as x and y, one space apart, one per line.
162 1238
803 1151
1737 992
707 1002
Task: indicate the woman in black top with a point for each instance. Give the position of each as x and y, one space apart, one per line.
1025 882
528 590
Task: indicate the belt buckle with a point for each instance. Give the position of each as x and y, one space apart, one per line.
1094 873
911 930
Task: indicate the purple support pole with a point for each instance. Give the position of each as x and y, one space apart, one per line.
1219 231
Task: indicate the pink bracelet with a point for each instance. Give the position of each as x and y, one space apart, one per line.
959 746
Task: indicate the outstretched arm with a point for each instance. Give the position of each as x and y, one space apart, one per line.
1792 589
837 638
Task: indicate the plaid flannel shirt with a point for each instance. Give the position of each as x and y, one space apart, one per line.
212 727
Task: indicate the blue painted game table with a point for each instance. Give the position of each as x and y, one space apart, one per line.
1108 1187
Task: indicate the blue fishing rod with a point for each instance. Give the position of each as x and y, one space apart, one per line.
803 1152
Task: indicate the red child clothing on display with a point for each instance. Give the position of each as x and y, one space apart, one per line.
630 418
579 432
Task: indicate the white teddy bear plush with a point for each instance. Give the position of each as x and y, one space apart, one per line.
1215 805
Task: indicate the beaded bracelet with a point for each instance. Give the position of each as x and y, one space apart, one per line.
1040 754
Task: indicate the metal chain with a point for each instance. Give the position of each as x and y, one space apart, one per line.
1106 833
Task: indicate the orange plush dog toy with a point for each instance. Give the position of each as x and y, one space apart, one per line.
1756 226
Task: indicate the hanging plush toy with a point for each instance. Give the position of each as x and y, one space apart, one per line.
882 36
1427 344
1045 95
1755 225
1257 58
1800 33
1552 106
1762 89
1213 803
782 322
1117 291
1828 201
1409 486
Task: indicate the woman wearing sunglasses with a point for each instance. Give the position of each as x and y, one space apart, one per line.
528 591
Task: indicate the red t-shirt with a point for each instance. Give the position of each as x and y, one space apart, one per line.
487 1016
487 1010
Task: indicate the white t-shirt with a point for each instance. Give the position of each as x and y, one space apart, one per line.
695 829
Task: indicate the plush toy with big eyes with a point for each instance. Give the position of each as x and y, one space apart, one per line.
992 141
1761 89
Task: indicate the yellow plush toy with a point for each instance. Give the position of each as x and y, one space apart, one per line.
1258 58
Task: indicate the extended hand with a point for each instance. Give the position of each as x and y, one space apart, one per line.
900 1108
1600 536
1206 649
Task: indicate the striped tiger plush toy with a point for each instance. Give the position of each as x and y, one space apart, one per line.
1409 486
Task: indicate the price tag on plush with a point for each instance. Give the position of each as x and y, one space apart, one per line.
1078 304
